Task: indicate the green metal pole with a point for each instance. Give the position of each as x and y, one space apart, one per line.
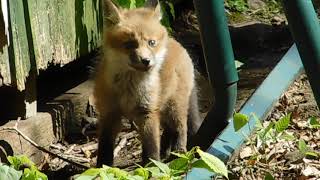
221 68
305 29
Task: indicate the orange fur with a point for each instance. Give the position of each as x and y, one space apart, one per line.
154 95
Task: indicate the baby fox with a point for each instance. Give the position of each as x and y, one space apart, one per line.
147 77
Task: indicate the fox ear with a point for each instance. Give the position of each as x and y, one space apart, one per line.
112 14
155 5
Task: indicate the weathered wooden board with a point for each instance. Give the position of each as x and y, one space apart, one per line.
4 32
37 33
44 32
63 30
14 53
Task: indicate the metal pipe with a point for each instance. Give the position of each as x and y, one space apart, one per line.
221 68
305 29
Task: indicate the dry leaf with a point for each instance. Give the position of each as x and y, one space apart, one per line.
311 171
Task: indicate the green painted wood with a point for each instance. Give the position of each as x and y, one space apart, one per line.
17 57
44 32
40 33
4 62
64 30
5 77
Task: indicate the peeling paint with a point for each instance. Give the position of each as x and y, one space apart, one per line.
4 9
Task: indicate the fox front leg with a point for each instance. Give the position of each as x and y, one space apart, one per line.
149 128
109 127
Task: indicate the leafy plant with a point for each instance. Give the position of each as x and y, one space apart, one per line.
283 123
239 120
30 171
7 172
305 150
272 133
175 169
20 168
237 5
314 123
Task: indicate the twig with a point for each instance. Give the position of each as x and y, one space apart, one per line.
90 147
121 145
16 130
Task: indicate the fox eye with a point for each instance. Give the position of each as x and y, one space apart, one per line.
152 43
130 44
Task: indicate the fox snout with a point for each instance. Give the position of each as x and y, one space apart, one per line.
141 62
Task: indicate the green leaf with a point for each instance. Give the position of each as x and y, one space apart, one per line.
238 64
268 176
180 155
118 173
314 123
86 177
179 164
302 146
132 4
239 120
136 177
141 172
32 174
165 20
200 164
287 137
105 176
123 3
155 171
215 164
140 3
265 131
92 172
17 161
9 173
171 9
191 154
283 123
163 167
312 154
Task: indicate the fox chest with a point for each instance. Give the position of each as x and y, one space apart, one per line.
137 97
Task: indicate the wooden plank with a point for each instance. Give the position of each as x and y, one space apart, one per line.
43 32
38 128
5 78
19 56
64 30
22 64
60 32
69 109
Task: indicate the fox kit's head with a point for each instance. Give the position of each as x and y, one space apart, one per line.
135 39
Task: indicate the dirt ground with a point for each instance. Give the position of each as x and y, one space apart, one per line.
284 161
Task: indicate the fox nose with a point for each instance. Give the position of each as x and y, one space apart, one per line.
145 61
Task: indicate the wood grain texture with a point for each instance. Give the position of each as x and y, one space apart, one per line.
64 30
38 128
44 32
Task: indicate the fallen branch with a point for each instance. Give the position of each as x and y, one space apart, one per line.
16 130
121 145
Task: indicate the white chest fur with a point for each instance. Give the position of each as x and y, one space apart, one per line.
137 91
